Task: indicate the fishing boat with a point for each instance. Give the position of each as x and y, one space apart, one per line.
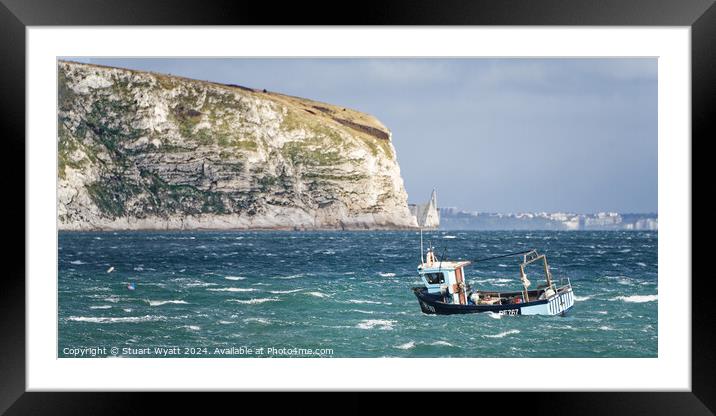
446 290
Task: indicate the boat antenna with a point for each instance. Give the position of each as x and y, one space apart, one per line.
442 258
501 256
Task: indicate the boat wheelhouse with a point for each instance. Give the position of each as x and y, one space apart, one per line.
446 291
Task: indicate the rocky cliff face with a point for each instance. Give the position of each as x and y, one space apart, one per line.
139 150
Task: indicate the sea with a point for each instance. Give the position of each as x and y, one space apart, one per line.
284 294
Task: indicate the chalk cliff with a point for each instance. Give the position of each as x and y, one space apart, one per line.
139 150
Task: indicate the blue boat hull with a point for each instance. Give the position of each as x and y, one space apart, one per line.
559 304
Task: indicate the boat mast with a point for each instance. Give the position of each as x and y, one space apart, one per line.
421 246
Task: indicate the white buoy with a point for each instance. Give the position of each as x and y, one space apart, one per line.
110 270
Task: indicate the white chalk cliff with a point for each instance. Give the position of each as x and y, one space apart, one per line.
139 150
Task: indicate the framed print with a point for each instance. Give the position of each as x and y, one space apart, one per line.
473 205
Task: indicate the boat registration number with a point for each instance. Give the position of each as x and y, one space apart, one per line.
510 312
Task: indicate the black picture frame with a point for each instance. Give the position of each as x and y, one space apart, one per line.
16 15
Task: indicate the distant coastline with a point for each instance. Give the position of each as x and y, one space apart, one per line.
449 219
452 218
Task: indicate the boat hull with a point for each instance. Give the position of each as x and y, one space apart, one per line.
558 304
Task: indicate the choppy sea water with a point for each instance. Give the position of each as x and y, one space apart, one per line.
343 294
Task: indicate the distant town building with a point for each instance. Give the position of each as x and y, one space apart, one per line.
427 214
647 224
453 219
602 220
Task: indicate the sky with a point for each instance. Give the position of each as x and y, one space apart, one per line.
491 135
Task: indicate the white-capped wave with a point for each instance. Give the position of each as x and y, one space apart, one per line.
613 277
638 298
503 334
293 276
234 277
233 289
281 292
164 302
387 274
406 346
372 302
192 327
258 320
494 280
109 320
255 300
77 262
200 284
101 307
582 298
494 315
383 324
318 294
441 342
